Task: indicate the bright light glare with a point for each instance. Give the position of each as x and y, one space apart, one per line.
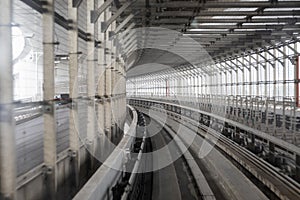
18 42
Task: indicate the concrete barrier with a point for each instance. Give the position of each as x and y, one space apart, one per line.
99 185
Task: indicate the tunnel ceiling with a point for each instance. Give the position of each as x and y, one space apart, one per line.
225 29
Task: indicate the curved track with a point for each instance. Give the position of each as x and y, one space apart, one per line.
174 181
225 180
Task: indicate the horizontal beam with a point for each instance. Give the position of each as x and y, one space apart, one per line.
264 27
250 31
248 13
171 21
267 20
224 4
174 13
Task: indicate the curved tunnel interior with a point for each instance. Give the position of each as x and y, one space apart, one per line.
149 99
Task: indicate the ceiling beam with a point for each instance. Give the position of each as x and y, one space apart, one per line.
174 13
224 4
264 20
249 13
237 27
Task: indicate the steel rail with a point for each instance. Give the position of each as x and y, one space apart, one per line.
244 157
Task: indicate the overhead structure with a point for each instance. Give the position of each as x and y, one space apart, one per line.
231 66
225 29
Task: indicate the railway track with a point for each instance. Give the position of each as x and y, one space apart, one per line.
281 185
188 180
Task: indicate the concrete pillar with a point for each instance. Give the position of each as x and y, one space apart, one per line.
107 105
7 133
91 139
119 94
113 81
49 91
90 73
101 84
73 87
123 98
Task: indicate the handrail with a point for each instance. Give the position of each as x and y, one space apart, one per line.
288 146
105 177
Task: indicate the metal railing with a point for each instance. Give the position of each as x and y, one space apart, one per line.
279 117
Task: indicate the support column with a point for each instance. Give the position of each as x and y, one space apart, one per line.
284 73
112 87
49 91
257 77
274 78
101 85
266 78
243 81
73 89
297 78
122 90
107 80
250 76
91 81
7 133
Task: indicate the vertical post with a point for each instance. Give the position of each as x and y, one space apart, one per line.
250 76
284 73
49 91
7 135
73 89
266 78
117 92
257 76
231 82
123 89
101 84
274 78
297 78
237 92
243 77
243 82
107 80
112 87
226 83
91 81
